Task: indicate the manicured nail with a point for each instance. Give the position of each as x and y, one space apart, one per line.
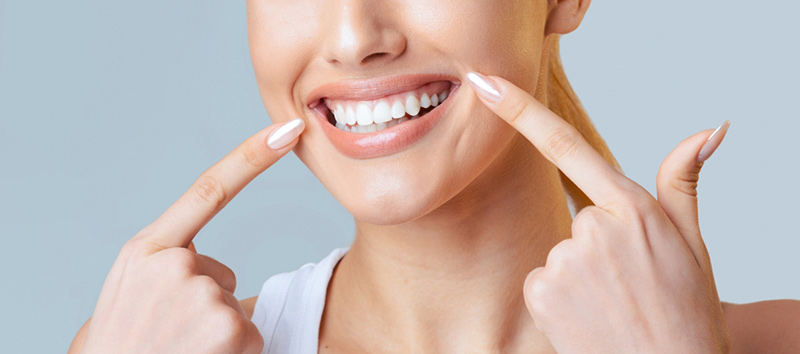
286 133
484 86
713 142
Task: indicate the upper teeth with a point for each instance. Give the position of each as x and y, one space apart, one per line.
385 109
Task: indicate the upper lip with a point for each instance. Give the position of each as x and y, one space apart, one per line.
373 88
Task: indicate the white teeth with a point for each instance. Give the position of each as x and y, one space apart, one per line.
424 101
382 112
363 114
376 115
412 105
398 111
339 114
350 116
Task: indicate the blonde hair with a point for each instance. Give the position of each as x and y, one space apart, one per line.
562 100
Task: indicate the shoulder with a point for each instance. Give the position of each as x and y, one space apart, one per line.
764 327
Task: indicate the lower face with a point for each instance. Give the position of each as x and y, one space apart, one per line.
343 67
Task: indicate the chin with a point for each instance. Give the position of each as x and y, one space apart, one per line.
392 202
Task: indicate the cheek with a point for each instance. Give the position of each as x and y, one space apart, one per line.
282 39
501 37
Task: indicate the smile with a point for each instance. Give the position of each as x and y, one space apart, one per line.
369 118
376 115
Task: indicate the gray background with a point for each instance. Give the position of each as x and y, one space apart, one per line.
110 109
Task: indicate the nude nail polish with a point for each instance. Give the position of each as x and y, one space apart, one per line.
285 133
713 142
484 86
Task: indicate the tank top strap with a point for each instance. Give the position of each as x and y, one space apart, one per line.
289 307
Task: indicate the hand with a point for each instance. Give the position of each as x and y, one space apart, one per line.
636 276
160 296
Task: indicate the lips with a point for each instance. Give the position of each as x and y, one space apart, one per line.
400 133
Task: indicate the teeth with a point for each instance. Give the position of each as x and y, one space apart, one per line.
424 101
412 105
376 115
350 116
363 114
339 114
398 110
382 112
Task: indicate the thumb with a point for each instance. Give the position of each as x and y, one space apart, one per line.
677 184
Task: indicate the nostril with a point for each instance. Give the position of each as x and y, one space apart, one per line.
374 57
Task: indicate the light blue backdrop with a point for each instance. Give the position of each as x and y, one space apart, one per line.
109 110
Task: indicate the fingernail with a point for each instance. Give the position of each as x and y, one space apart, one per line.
286 133
713 142
484 86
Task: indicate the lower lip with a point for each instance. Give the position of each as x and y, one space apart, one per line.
387 141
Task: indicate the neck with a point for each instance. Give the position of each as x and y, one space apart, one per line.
452 279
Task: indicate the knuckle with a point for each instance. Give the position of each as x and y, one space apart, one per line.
254 156
517 111
560 255
537 292
131 247
562 143
180 261
210 190
586 222
232 328
641 207
686 183
208 288
230 279
255 342
226 277
635 200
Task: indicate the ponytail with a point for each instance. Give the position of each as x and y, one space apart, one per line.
562 100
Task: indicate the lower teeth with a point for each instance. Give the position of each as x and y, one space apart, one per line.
374 127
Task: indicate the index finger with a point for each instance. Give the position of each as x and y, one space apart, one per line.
556 139
215 187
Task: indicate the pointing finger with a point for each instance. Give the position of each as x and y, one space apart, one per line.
556 139
177 226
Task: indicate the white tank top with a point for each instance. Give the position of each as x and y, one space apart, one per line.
289 308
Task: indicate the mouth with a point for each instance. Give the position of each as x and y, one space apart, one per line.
369 116
374 117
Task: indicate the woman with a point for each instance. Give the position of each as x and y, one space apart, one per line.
461 186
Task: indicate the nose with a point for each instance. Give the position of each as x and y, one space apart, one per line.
358 33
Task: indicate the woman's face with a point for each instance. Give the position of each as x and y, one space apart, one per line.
313 56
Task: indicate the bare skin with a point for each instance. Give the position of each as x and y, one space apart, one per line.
476 205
